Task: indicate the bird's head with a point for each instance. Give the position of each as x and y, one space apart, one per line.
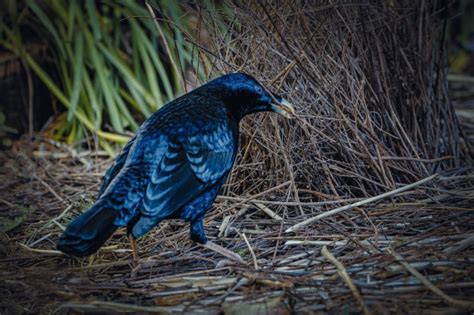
245 95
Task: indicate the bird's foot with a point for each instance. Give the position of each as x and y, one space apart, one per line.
197 232
199 238
136 264
224 252
198 235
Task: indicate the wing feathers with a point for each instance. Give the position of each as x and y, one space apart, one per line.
186 171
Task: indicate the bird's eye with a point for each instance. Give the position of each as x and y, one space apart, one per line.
259 90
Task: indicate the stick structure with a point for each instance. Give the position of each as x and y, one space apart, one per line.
360 203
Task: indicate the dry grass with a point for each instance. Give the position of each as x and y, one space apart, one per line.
373 116
369 84
433 232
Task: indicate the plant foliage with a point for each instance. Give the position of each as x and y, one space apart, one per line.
114 64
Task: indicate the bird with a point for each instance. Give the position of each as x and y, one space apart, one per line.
174 166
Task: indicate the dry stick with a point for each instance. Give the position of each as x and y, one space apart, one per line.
251 251
224 252
284 72
407 158
168 51
9 204
135 308
51 190
341 270
290 203
269 212
427 283
360 203
289 167
460 246
42 251
258 195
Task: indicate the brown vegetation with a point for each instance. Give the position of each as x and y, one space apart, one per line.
369 84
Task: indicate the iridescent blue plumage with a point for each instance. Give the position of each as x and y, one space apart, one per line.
175 165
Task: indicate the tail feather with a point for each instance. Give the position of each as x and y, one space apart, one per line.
85 234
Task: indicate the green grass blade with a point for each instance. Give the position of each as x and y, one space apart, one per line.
71 28
126 72
93 21
164 77
107 148
104 78
109 69
142 107
93 100
77 71
124 110
48 25
152 81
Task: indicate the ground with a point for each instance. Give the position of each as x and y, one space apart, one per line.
404 254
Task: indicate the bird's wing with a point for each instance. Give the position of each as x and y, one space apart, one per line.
211 155
187 169
115 168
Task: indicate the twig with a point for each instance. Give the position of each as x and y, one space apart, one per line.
359 203
41 251
428 284
258 195
407 158
255 264
51 190
465 243
223 226
320 243
289 167
460 78
9 204
136 308
224 252
289 203
341 270
270 213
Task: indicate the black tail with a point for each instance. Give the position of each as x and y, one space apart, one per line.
89 231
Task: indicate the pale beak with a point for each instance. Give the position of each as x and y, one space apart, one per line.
283 108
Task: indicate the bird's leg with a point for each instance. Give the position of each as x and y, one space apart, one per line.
137 266
133 242
199 235
136 262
